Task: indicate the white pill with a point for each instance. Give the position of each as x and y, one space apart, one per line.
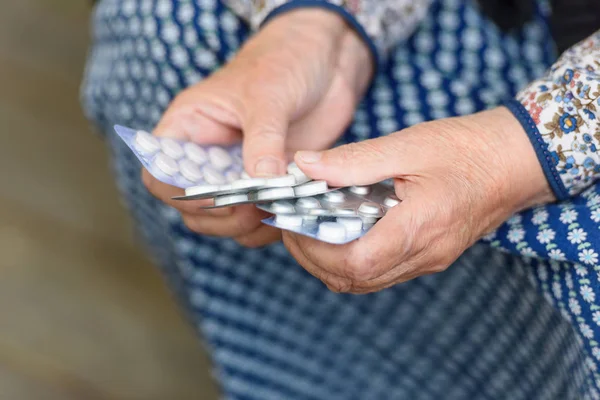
190 170
391 201
146 143
334 197
275 193
230 199
342 212
308 203
281 181
332 231
219 158
311 188
212 176
370 209
361 190
232 176
200 190
351 224
293 169
368 221
171 148
288 220
195 153
166 164
282 207
246 184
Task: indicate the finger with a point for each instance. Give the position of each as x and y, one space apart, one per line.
165 193
244 220
261 236
333 282
360 163
203 114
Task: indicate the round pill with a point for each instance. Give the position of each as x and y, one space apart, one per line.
219 158
311 188
281 181
275 193
282 207
293 169
146 143
369 220
343 212
391 201
195 153
212 176
171 148
166 164
334 197
200 190
250 183
190 170
351 224
288 220
308 203
332 231
230 199
362 190
370 209
232 176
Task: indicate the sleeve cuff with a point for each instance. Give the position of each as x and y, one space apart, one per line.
546 158
350 19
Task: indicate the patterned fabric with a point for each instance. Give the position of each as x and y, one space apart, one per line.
563 105
494 326
383 23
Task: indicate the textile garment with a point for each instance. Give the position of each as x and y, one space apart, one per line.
493 326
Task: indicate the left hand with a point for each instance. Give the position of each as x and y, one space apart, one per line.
458 179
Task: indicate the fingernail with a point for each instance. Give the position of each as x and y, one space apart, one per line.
268 166
310 157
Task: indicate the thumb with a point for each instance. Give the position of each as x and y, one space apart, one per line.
265 125
359 163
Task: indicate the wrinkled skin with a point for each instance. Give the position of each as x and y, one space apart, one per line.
459 178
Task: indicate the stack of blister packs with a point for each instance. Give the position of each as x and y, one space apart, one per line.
299 204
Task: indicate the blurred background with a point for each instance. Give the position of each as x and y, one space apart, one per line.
83 315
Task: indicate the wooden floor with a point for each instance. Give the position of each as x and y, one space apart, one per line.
83 315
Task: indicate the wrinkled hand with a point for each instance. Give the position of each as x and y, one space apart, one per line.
459 179
293 86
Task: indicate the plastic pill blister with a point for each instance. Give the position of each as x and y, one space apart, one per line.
334 230
371 201
338 217
184 164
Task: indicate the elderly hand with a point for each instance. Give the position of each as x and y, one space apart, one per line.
459 179
293 86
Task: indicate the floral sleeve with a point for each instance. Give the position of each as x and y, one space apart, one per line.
382 23
559 113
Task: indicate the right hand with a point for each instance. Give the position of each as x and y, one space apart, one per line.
293 86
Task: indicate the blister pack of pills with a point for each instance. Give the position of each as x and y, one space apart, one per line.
337 217
181 163
299 204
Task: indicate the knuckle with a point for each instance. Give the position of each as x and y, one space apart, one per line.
359 266
338 285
